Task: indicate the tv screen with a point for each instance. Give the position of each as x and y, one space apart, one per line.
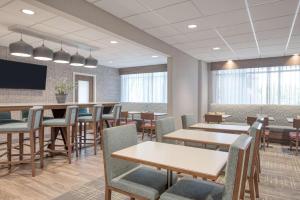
17 75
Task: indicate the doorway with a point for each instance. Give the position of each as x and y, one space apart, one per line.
85 88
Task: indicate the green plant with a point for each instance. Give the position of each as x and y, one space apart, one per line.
64 87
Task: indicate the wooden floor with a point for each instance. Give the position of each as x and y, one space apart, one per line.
58 177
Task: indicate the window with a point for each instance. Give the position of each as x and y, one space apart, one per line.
145 87
266 85
83 91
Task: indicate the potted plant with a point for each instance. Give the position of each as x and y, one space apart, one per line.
62 89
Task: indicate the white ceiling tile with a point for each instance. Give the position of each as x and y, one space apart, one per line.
201 35
272 34
235 29
242 38
64 24
146 20
121 8
210 43
272 42
202 24
155 4
46 29
15 8
176 39
244 45
260 2
163 31
274 23
272 10
91 34
7 19
179 12
209 7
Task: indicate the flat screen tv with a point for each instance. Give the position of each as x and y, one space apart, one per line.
17 75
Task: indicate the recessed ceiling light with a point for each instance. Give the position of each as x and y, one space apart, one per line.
154 56
192 26
229 60
27 12
114 42
216 48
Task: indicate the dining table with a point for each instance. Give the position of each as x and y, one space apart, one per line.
156 114
204 163
226 128
202 137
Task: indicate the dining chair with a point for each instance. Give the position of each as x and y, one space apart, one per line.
31 126
124 117
294 136
251 120
253 163
113 118
188 120
163 127
213 119
69 123
265 132
131 179
5 117
235 176
96 121
148 123
83 112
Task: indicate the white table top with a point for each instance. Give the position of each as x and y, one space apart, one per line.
290 119
139 112
263 115
194 161
203 137
221 128
226 116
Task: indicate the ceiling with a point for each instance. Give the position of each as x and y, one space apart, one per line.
242 29
123 54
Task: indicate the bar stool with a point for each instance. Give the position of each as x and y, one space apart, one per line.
113 117
294 136
31 126
69 123
96 121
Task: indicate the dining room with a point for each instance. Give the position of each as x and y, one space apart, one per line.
148 100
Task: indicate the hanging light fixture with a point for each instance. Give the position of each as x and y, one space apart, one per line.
91 62
20 48
43 53
77 60
61 56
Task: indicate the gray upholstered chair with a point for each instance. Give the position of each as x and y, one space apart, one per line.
188 120
69 123
96 120
5 117
31 126
189 189
114 116
126 177
163 127
253 163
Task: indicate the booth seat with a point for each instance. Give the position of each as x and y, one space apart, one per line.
279 128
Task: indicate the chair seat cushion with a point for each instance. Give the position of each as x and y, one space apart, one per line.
7 121
55 122
108 117
293 135
84 114
143 181
85 119
44 118
188 189
14 127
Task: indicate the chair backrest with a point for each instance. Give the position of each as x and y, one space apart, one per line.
188 120
213 118
97 113
124 114
35 117
251 120
163 127
5 115
115 139
296 123
71 115
254 132
117 111
236 167
147 116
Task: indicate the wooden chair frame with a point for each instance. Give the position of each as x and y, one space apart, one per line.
209 118
296 125
149 116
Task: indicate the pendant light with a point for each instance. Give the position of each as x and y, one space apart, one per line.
61 56
43 53
20 48
77 60
91 62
